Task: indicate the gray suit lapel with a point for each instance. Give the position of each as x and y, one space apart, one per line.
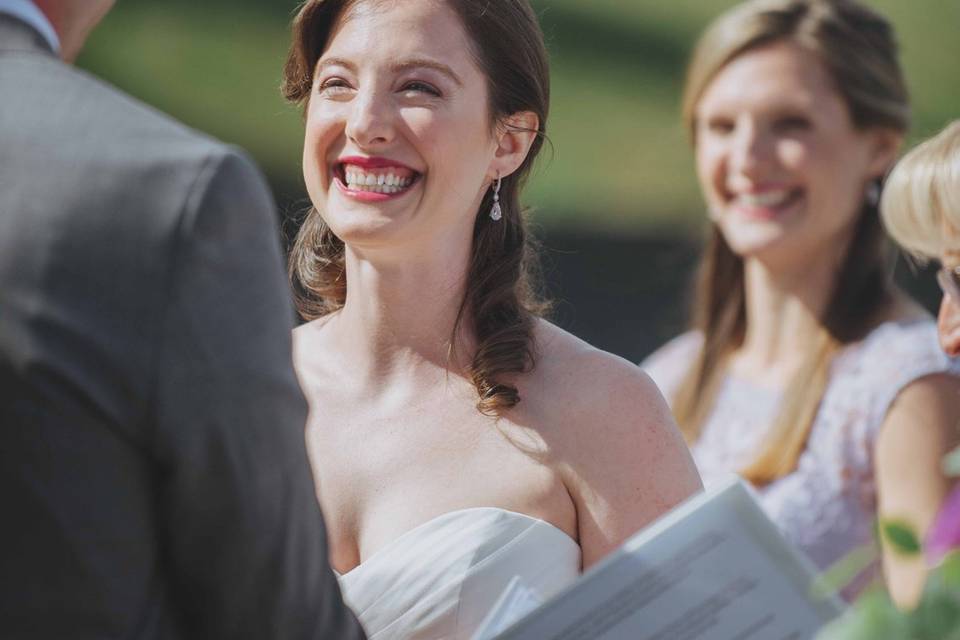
16 35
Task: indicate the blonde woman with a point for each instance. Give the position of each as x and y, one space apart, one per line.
921 210
807 371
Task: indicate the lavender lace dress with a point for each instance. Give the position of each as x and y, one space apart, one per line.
826 507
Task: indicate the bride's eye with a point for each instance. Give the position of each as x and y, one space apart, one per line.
416 86
333 86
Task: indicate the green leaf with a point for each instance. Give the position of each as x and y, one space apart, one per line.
951 463
901 537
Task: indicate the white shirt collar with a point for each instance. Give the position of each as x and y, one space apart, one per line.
28 12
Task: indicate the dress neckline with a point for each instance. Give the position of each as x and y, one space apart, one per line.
451 515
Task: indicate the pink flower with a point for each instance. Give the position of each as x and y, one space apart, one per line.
944 535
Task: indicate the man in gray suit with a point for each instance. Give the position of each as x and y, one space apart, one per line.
153 476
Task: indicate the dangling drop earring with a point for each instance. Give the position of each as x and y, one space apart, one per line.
873 193
496 212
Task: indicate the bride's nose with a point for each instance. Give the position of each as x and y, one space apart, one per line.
370 121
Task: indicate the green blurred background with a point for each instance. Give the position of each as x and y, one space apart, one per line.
615 202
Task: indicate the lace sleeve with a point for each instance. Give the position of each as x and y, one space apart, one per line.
668 364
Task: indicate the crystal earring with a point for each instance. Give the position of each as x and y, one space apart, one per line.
496 212
873 193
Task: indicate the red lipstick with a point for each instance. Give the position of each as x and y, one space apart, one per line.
373 163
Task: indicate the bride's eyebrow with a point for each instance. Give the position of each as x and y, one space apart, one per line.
336 62
405 65
426 63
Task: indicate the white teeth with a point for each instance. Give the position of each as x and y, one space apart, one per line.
360 180
765 199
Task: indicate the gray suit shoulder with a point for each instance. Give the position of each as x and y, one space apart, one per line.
93 123
112 113
120 163
100 198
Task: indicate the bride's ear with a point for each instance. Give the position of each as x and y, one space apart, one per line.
515 135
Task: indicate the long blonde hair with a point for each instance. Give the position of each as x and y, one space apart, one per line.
922 199
857 47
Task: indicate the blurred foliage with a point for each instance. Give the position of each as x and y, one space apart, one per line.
620 156
937 614
936 617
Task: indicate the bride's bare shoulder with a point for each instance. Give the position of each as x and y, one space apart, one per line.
597 403
587 378
625 461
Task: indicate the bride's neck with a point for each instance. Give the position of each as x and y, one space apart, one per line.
401 315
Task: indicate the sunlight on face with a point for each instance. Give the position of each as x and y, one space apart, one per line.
398 137
781 166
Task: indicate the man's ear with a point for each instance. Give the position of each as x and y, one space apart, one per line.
515 135
886 145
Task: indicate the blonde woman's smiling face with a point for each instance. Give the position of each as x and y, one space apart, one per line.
398 141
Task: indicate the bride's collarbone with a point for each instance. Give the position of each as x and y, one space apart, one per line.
413 405
438 422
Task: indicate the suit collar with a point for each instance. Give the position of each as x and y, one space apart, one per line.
18 35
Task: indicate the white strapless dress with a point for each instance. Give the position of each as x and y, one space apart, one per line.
440 579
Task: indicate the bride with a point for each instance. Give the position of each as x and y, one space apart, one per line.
458 439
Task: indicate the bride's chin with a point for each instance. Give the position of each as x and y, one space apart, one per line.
359 231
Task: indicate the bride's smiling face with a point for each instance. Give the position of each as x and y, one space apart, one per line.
399 141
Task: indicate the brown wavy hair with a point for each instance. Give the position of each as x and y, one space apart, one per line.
501 300
857 47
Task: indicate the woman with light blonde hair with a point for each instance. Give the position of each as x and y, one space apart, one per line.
806 370
921 210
